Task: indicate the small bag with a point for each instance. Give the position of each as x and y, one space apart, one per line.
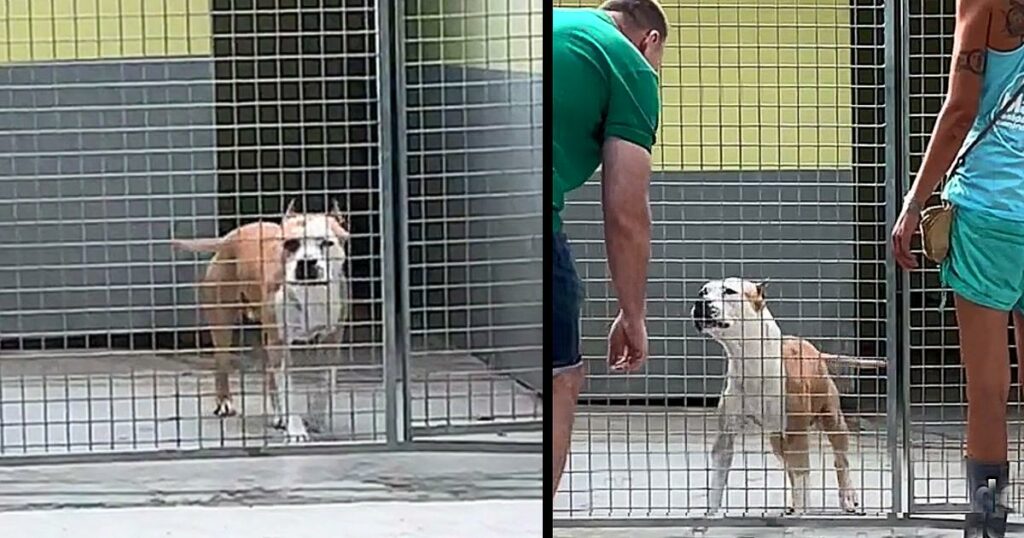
936 225
937 220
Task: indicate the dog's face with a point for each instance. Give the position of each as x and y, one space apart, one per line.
314 246
723 306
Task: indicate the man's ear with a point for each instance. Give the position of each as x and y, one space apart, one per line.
655 37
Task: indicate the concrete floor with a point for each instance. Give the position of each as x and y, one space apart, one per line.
480 519
639 465
747 532
419 494
111 402
269 481
65 402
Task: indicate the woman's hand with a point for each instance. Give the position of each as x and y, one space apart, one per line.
906 226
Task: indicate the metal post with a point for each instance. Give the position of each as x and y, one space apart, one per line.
896 158
394 265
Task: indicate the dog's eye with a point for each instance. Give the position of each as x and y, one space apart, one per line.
291 245
326 243
728 291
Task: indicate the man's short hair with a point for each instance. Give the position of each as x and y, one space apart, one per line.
643 14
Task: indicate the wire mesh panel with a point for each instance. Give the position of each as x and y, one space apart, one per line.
937 412
474 214
769 165
126 125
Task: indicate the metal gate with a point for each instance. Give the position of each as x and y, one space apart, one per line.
789 132
474 227
122 130
936 401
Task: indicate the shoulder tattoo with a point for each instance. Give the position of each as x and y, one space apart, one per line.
972 61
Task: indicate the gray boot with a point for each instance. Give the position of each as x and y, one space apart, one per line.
986 485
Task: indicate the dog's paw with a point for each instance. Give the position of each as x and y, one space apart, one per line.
296 431
848 501
225 408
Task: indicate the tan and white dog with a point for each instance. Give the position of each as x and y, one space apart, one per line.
777 383
289 278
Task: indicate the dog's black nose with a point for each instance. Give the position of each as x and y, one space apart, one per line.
703 315
307 269
700 310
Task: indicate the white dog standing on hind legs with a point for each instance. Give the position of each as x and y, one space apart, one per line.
779 384
290 279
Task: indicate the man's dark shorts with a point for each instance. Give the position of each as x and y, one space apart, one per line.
566 299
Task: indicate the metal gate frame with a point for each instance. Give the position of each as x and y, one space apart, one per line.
899 176
898 368
397 348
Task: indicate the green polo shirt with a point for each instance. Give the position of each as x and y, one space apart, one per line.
602 88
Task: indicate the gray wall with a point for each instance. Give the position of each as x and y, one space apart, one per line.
795 228
477 253
99 161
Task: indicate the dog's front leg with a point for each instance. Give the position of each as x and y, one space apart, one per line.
721 456
730 411
286 416
274 356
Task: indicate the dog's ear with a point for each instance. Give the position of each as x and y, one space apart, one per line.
757 299
289 211
336 213
338 221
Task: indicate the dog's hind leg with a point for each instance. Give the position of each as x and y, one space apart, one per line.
778 441
221 329
838 434
796 452
216 296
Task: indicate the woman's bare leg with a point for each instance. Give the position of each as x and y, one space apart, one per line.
986 359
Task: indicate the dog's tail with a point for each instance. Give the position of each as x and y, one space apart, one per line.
198 245
846 360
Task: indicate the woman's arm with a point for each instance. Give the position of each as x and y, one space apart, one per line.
970 42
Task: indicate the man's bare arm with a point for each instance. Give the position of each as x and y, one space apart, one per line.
625 186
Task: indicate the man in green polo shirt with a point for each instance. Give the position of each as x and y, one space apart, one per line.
605 113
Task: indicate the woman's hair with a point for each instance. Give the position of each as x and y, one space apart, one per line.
642 14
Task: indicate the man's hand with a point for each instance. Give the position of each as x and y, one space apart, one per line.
627 343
